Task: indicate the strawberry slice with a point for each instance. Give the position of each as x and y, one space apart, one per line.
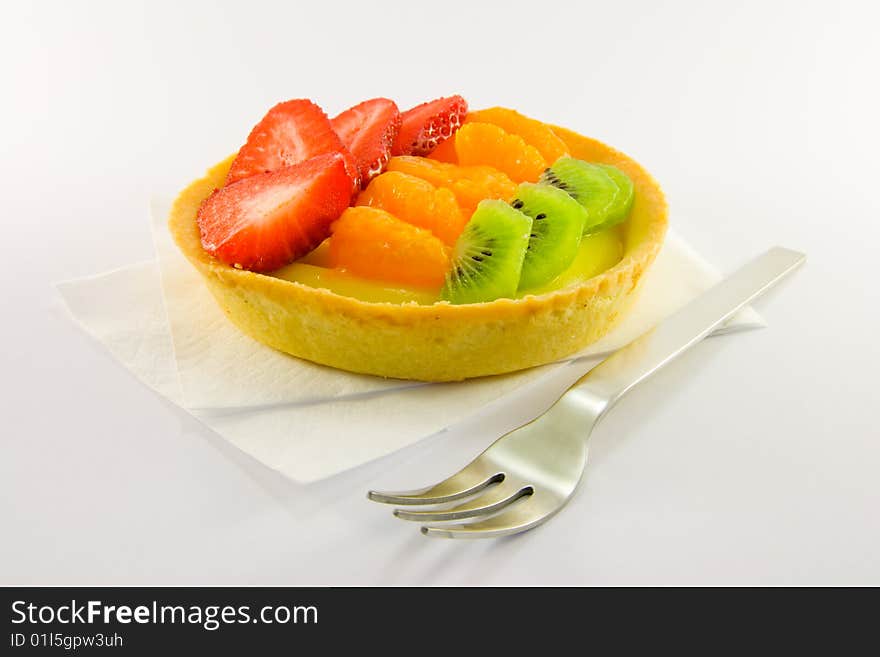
268 220
425 126
368 131
290 133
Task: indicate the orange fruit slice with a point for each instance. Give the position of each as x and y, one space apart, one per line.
469 184
487 144
533 132
374 244
445 152
416 202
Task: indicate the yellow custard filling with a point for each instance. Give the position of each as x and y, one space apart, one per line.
597 253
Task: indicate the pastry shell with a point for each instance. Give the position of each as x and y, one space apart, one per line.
440 342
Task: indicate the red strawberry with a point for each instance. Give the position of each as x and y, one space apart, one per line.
290 133
368 131
425 126
267 220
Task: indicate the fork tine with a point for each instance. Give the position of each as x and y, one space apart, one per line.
467 481
524 514
497 498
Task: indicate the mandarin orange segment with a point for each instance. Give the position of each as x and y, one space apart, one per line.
319 257
469 184
487 144
416 202
445 152
374 244
535 133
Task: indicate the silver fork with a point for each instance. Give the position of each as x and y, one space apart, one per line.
529 474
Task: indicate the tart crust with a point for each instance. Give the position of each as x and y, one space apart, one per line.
440 342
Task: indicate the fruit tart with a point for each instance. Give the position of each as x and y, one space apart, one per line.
434 244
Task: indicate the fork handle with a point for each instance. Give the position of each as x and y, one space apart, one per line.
635 362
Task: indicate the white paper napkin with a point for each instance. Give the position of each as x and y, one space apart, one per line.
305 420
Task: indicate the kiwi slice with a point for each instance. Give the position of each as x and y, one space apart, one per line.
557 225
488 255
624 200
595 187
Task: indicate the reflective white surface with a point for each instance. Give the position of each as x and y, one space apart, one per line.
753 459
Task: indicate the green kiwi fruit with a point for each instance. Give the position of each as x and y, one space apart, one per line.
557 226
623 203
600 188
488 256
597 252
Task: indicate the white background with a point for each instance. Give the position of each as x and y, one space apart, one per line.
753 460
